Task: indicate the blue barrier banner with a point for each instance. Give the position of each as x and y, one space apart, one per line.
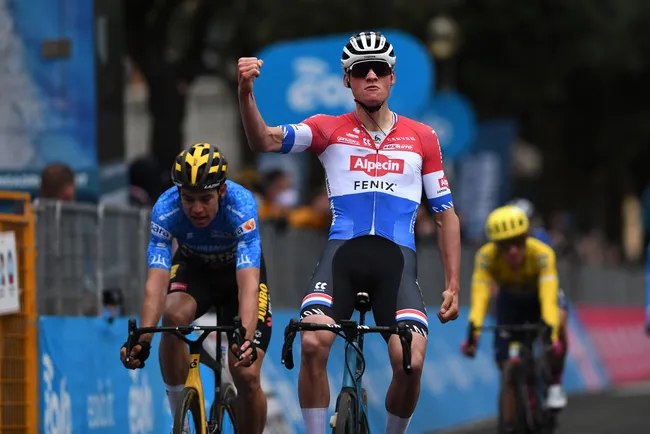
86 389
304 77
47 109
452 116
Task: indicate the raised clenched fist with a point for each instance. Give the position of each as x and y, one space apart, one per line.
248 69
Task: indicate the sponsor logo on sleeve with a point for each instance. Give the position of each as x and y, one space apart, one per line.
247 226
159 231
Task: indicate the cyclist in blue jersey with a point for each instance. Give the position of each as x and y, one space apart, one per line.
376 163
556 398
219 264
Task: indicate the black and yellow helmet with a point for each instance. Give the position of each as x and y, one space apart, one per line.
201 167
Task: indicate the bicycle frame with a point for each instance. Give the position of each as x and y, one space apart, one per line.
194 375
354 364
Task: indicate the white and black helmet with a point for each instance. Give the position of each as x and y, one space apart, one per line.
367 46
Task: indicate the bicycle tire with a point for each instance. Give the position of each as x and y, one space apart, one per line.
189 402
221 418
345 415
547 417
513 377
364 428
225 414
525 416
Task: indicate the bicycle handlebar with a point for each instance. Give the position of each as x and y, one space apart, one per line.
238 330
350 331
541 328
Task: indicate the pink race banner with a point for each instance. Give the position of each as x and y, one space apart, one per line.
618 336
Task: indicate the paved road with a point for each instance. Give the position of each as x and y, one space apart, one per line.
617 411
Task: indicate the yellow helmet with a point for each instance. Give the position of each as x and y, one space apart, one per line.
203 166
505 223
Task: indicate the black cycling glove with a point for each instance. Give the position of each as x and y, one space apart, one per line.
145 350
238 339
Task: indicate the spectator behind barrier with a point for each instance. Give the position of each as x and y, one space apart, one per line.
250 179
278 197
113 303
316 215
57 183
145 185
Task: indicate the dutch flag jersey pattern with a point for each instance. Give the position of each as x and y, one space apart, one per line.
374 189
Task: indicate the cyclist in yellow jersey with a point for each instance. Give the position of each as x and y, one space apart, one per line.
556 396
525 271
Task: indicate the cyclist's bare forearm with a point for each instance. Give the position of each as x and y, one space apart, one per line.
248 280
449 244
261 137
154 299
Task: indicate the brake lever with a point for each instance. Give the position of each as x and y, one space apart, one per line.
287 349
405 337
471 335
238 335
132 337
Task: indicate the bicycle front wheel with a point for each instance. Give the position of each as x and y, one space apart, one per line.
222 420
345 415
188 413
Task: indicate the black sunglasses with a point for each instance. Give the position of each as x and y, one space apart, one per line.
505 245
361 69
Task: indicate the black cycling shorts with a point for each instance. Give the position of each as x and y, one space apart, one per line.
372 264
514 309
218 288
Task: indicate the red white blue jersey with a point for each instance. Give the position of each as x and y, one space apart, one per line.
374 189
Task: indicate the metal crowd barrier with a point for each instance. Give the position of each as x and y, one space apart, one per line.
84 249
